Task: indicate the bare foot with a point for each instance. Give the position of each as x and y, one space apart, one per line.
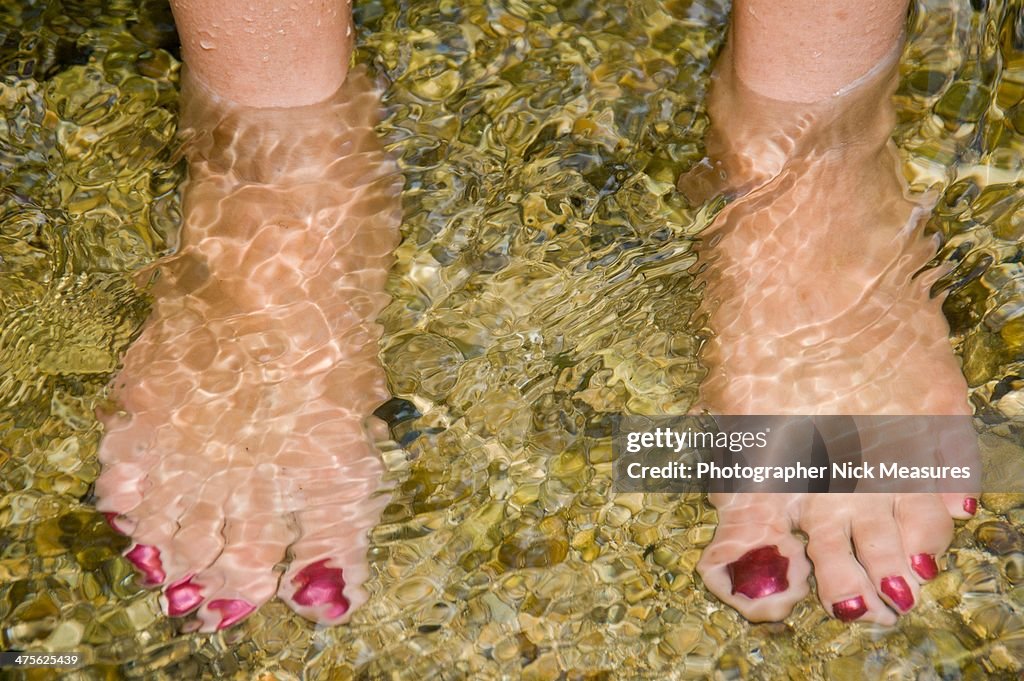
242 442
816 309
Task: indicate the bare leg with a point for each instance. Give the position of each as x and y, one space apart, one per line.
243 438
266 52
807 50
815 306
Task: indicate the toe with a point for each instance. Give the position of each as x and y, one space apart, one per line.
200 530
329 562
243 577
758 568
960 506
126 456
843 587
926 530
958 446
148 561
879 546
182 597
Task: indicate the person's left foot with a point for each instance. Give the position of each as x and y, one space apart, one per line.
817 308
243 441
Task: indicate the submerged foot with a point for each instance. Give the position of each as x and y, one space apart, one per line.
817 308
243 443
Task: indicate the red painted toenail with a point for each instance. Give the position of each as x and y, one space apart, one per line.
850 609
971 505
183 596
898 591
319 584
759 573
232 610
146 560
112 521
924 565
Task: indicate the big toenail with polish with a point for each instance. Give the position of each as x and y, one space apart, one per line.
898 591
924 565
319 584
232 610
183 596
146 560
759 573
971 505
850 609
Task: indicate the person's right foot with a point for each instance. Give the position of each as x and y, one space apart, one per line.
244 440
816 309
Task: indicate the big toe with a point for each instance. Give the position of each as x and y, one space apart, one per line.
754 563
324 582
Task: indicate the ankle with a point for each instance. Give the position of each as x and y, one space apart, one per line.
273 145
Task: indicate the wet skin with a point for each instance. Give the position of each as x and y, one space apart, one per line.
242 441
817 307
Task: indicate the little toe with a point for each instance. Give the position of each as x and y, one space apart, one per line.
958 446
879 546
960 506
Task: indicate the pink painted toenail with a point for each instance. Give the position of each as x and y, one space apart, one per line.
319 584
759 573
183 596
898 591
232 610
971 505
850 609
924 565
146 560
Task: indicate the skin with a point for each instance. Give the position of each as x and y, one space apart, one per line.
807 50
244 438
816 310
266 52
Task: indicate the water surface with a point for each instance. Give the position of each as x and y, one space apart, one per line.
544 283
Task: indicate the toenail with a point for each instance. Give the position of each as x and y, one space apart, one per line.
971 505
850 609
183 596
898 591
146 560
232 610
112 521
319 584
759 573
924 565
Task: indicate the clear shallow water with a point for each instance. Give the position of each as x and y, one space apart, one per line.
542 285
